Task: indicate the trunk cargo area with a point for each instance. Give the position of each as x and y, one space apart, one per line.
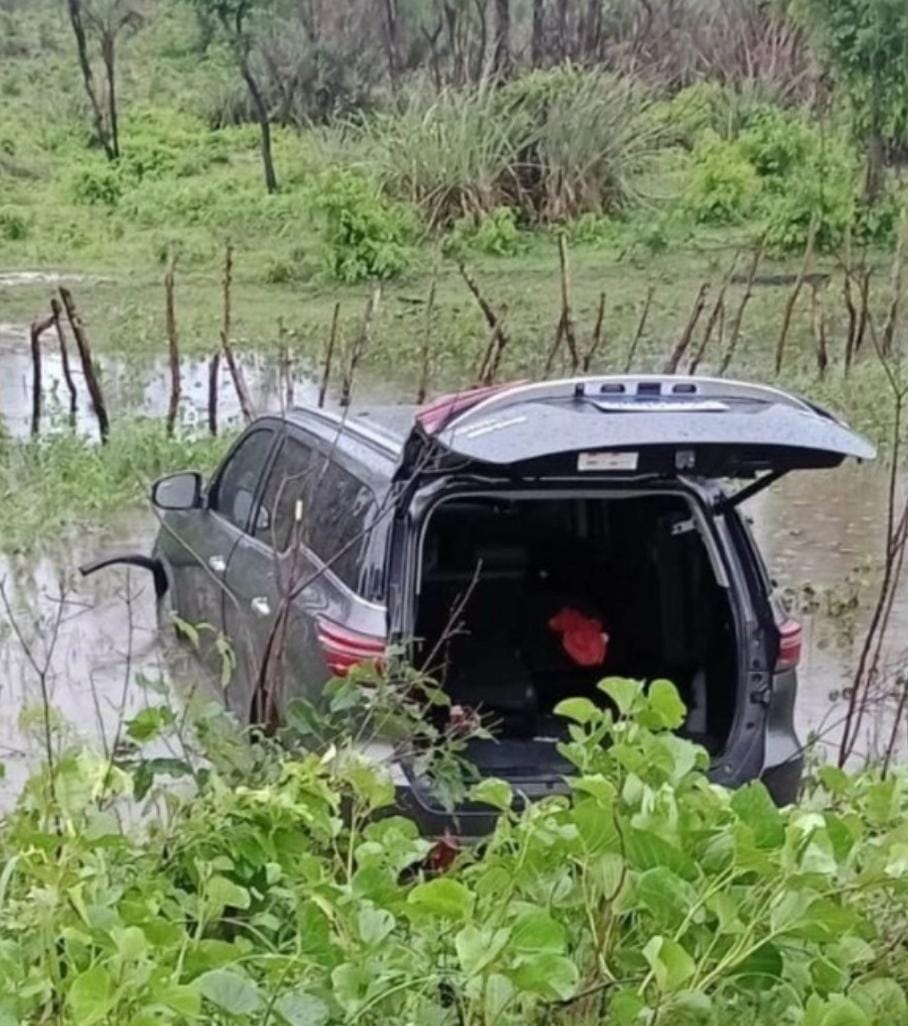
495 570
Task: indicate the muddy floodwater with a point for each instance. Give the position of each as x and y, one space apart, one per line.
822 534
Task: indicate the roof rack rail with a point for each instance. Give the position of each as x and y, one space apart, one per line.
654 386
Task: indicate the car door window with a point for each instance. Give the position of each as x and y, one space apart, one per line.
341 513
289 484
234 493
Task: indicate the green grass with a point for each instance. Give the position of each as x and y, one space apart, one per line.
50 485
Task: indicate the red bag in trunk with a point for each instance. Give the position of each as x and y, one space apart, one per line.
582 637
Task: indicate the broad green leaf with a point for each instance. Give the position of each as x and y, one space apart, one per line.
228 990
664 894
297 1008
90 996
183 999
149 722
762 969
647 850
494 792
664 704
374 924
130 941
497 992
442 897
625 1007
595 785
690 1008
842 1011
551 976
623 692
477 948
759 813
580 710
223 893
672 966
882 999
827 976
535 930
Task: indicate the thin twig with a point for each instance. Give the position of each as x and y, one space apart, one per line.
596 338
641 326
806 265
329 357
683 343
88 367
422 389
173 344
735 330
57 311
236 372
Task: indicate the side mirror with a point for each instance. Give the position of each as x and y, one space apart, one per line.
178 491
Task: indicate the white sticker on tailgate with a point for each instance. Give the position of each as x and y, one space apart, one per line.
607 461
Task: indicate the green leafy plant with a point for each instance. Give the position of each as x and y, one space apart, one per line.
724 187
284 883
364 235
495 234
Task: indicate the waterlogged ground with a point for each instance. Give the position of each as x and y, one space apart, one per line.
821 532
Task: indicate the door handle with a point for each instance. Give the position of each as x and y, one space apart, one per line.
217 563
260 606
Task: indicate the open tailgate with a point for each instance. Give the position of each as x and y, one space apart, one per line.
642 424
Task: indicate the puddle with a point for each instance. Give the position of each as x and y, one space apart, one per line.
130 389
105 637
18 279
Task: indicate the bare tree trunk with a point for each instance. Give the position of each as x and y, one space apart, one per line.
261 113
173 346
88 79
563 48
592 29
502 55
329 357
391 43
479 64
64 360
641 327
214 366
683 343
537 45
37 330
88 367
109 54
236 372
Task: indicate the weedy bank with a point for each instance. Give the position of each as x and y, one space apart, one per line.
280 886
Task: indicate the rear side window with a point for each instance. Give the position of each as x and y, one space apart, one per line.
289 487
235 490
342 510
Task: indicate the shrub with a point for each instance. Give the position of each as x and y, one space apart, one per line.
288 881
364 235
452 154
99 185
724 186
823 186
779 144
13 225
495 234
581 137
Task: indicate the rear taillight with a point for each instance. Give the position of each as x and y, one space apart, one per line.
344 648
789 645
